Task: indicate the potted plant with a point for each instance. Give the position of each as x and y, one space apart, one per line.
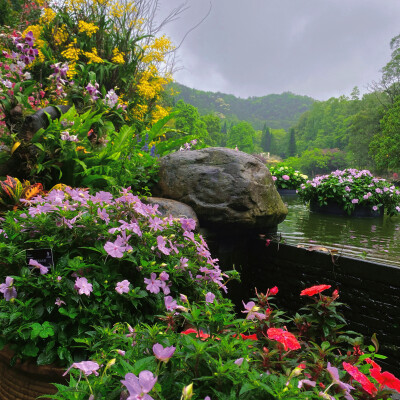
73 261
287 179
351 192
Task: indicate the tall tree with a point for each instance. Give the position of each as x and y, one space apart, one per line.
266 138
292 143
241 136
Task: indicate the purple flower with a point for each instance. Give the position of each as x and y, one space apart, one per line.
59 302
122 287
183 263
114 250
188 224
378 190
164 276
184 298
251 310
155 224
210 297
29 38
161 245
334 373
285 177
8 289
43 270
87 367
239 361
303 382
83 286
354 201
170 303
153 284
121 352
139 387
163 354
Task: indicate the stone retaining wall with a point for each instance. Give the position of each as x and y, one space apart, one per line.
370 291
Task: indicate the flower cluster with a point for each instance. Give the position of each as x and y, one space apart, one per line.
352 187
229 355
115 259
287 177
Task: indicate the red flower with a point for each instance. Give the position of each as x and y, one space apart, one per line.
383 378
314 290
201 334
248 337
286 338
273 291
367 385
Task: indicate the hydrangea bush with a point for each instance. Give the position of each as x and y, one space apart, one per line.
287 177
350 188
115 260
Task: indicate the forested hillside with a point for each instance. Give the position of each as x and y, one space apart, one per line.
278 111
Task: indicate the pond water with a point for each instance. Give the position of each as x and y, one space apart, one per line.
373 239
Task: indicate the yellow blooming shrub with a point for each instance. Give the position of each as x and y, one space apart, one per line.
87 27
93 56
118 56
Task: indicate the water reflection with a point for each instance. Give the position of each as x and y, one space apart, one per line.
374 239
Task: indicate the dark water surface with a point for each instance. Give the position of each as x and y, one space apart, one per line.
373 239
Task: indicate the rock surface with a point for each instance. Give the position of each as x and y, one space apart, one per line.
172 207
227 189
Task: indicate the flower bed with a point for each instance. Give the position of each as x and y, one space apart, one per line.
287 177
349 189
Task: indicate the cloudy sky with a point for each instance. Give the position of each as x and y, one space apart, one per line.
319 48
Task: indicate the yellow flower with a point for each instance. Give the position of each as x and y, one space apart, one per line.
48 16
159 113
87 27
72 53
60 34
93 56
118 56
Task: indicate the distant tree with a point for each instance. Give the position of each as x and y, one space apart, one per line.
213 126
291 152
385 145
188 120
279 142
241 135
266 139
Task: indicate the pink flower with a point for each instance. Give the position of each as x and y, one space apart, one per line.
59 302
8 289
170 303
251 310
288 340
210 297
122 287
354 201
161 245
43 270
87 367
285 177
163 354
274 178
153 284
114 250
83 286
138 387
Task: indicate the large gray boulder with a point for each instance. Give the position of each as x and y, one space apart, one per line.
227 189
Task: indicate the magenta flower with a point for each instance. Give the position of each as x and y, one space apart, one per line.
375 208
87 367
138 387
163 354
188 224
164 276
43 270
83 286
354 201
274 178
285 177
122 287
210 297
156 224
8 289
153 284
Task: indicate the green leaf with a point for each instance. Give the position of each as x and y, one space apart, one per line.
30 350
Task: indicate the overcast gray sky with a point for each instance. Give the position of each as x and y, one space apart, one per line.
319 48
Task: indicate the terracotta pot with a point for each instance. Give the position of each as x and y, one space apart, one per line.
26 380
